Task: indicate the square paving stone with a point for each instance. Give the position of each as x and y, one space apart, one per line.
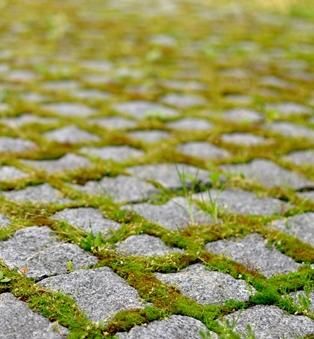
115 153
149 136
70 135
121 188
37 252
176 214
171 175
244 139
100 293
291 130
242 202
300 226
285 109
269 174
242 115
174 327
69 109
269 322
253 252
88 219
203 150
18 321
8 173
114 123
145 109
15 145
207 287
190 124
37 194
145 245
69 162
4 221
301 157
183 100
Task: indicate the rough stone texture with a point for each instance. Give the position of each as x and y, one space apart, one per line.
88 219
121 188
100 293
114 123
9 173
15 145
203 150
252 251
115 153
269 174
291 130
18 321
301 157
70 135
300 226
174 327
145 245
149 136
183 100
176 214
145 109
171 175
69 109
37 194
4 221
37 252
244 139
69 162
192 124
242 202
242 116
207 287
270 322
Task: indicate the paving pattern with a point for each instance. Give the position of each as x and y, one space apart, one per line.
156 170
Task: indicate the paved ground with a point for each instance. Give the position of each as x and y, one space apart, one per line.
156 170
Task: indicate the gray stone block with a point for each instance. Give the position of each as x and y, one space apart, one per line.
244 139
149 136
207 287
242 115
193 124
291 130
100 293
285 109
301 157
253 252
4 221
183 101
70 135
18 321
69 109
270 322
174 327
15 145
114 122
9 173
203 150
115 153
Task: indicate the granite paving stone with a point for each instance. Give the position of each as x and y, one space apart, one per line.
115 153
43 193
121 188
270 322
301 157
252 252
174 327
242 202
269 174
69 109
207 287
192 124
149 136
27 119
309 196
8 173
69 162
244 139
291 130
70 135
15 145
145 245
37 252
144 109
88 219
171 175
183 100
300 226
203 150
176 214
114 122
289 108
100 293
18 321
